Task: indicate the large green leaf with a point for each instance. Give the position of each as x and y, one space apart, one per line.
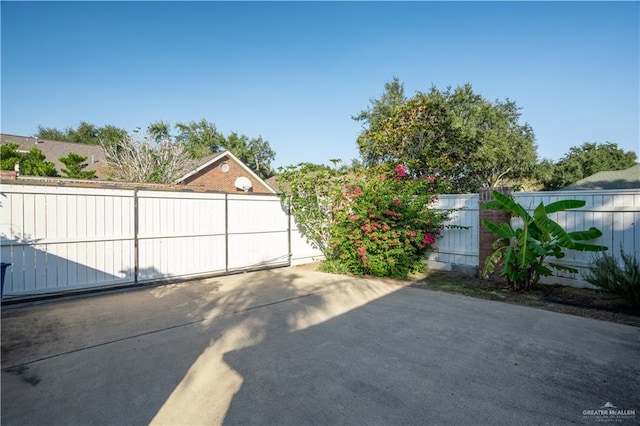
490 263
588 247
500 231
561 236
562 205
539 216
537 249
590 234
509 205
523 244
560 267
542 270
509 269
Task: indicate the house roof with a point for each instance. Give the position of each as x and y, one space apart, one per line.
205 162
277 186
53 150
614 179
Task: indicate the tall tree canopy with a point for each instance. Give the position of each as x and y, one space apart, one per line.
456 135
583 161
85 133
199 139
202 138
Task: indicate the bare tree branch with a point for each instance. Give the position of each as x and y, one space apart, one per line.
147 159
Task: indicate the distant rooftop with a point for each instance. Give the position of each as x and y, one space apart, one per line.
53 150
614 179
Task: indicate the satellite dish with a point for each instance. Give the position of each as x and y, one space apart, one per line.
243 183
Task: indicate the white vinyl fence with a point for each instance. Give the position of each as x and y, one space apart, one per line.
614 212
61 239
458 248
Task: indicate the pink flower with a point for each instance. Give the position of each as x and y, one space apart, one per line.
428 239
353 217
400 170
396 201
362 250
385 227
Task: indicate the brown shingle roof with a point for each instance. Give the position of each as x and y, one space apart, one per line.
53 150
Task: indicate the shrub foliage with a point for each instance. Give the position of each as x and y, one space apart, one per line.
606 273
367 222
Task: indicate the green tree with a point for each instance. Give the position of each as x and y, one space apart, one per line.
111 134
506 148
456 135
200 138
379 110
585 160
259 157
33 164
9 156
422 134
50 133
159 130
256 153
87 133
84 133
75 165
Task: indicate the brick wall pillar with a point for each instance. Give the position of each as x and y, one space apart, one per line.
486 237
8 174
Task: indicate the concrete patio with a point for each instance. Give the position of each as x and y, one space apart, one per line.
292 346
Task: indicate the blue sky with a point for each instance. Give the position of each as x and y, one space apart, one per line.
295 73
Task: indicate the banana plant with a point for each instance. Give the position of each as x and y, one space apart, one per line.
524 251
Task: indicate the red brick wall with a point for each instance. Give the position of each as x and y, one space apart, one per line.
486 237
212 178
8 174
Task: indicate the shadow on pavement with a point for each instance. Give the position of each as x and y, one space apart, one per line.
154 354
291 346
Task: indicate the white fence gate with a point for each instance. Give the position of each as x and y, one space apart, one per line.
614 212
61 239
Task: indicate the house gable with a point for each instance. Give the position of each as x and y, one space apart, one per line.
219 172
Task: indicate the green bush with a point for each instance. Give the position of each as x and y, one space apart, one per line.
605 272
373 221
384 226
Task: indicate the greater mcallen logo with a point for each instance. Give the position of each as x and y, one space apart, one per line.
609 413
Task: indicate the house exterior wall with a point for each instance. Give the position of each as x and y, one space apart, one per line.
212 178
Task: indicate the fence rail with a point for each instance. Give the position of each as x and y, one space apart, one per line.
61 239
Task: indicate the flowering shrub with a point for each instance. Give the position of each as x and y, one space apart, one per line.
382 225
